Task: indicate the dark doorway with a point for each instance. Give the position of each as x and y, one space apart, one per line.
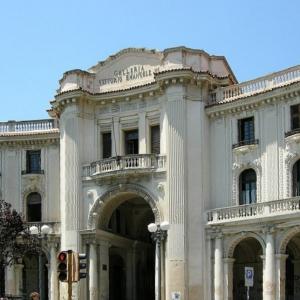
117 278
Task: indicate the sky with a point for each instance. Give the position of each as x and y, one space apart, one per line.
40 40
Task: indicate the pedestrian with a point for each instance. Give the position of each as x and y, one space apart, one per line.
34 296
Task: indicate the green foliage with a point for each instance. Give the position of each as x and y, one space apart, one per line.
15 237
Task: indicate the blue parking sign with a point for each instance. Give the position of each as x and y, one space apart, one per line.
249 275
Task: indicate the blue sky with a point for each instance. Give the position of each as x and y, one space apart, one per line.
42 39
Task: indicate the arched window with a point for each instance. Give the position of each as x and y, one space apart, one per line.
296 179
247 184
34 207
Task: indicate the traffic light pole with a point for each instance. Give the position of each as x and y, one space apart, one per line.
70 272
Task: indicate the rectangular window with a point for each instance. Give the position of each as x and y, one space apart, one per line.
246 130
132 142
295 117
106 144
155 139
33 161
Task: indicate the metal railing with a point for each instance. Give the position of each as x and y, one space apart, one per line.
245 142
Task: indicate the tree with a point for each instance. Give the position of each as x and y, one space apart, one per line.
15 239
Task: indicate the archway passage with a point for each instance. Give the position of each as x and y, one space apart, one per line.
132 252
35 271
292 283
247 254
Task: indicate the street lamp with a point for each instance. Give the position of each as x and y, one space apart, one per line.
41 233
158 234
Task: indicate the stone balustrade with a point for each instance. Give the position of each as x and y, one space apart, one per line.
138 162
25 126
259 85
252 211
55 226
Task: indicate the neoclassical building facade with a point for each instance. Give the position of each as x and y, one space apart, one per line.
152 137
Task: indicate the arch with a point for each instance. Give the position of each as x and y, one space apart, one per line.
247 187
287 236
296 179
96 212
239 168
34 207
290 159
229 250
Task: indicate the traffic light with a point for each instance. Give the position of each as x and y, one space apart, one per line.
63 266
80 266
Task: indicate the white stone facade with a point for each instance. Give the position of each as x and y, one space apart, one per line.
194 181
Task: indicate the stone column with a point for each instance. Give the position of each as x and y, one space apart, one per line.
117 144
280 280
142 133
10 282
208 265
53 286
176 263
104 270
218 275
269 286
93 274
228 278
19 278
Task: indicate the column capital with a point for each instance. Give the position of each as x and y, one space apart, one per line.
281 256
229 260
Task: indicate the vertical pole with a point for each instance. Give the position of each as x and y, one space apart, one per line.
248 293
70 273
159 269
40 272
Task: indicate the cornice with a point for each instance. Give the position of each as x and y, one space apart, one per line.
13 142
184 76
280 94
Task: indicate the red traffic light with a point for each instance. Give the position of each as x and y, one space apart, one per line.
62 256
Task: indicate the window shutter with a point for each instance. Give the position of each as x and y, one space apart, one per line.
155 139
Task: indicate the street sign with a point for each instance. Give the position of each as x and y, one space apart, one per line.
249 275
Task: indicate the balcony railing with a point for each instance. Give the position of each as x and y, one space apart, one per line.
54 226
256 86
138 162
245 143
252 211
25 126
292 132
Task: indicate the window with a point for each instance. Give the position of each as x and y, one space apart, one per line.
34 207
246 130
155 139
295 117
33 161
131 142
106 144
296 179
247 188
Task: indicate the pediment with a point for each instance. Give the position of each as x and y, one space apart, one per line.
133 67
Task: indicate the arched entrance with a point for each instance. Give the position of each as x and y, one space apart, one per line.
124 219
292 283
35 272
247 254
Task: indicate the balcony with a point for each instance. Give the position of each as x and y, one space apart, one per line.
55 226
136 164
28 126
278 208
256 86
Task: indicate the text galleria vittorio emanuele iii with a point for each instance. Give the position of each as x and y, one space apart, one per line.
175 180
